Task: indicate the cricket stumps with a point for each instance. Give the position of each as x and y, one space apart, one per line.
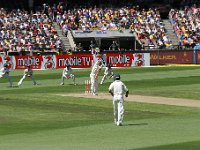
87 86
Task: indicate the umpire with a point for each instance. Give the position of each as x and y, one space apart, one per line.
118 89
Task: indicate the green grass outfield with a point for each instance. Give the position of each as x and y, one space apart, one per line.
35 118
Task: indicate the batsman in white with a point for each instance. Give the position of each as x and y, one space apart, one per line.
108 73
28 72
4 72
94 76
67 73
118 89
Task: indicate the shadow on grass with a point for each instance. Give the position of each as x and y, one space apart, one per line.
136 124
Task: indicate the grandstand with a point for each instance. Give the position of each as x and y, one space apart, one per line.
62 26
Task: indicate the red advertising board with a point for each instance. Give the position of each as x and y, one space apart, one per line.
120 60
171 57
198 57
22 61
82 60
79 60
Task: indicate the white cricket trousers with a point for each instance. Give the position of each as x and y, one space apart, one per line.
94 84
67 76
118 109
24 77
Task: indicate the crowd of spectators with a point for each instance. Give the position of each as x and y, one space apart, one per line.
186 23
149 29
22 31
145 24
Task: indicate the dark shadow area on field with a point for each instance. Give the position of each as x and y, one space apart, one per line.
72 84
136 124
192 145
68 115
15 86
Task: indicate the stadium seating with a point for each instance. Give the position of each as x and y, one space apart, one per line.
186 24
21 31
145 24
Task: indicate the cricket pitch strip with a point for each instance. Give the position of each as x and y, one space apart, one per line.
141 99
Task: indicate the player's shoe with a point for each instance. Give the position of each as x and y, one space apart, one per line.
94 94
119 124
61 83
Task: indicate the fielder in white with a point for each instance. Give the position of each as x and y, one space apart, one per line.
67 73
4 72
28 72
108 73
118 89
94 76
